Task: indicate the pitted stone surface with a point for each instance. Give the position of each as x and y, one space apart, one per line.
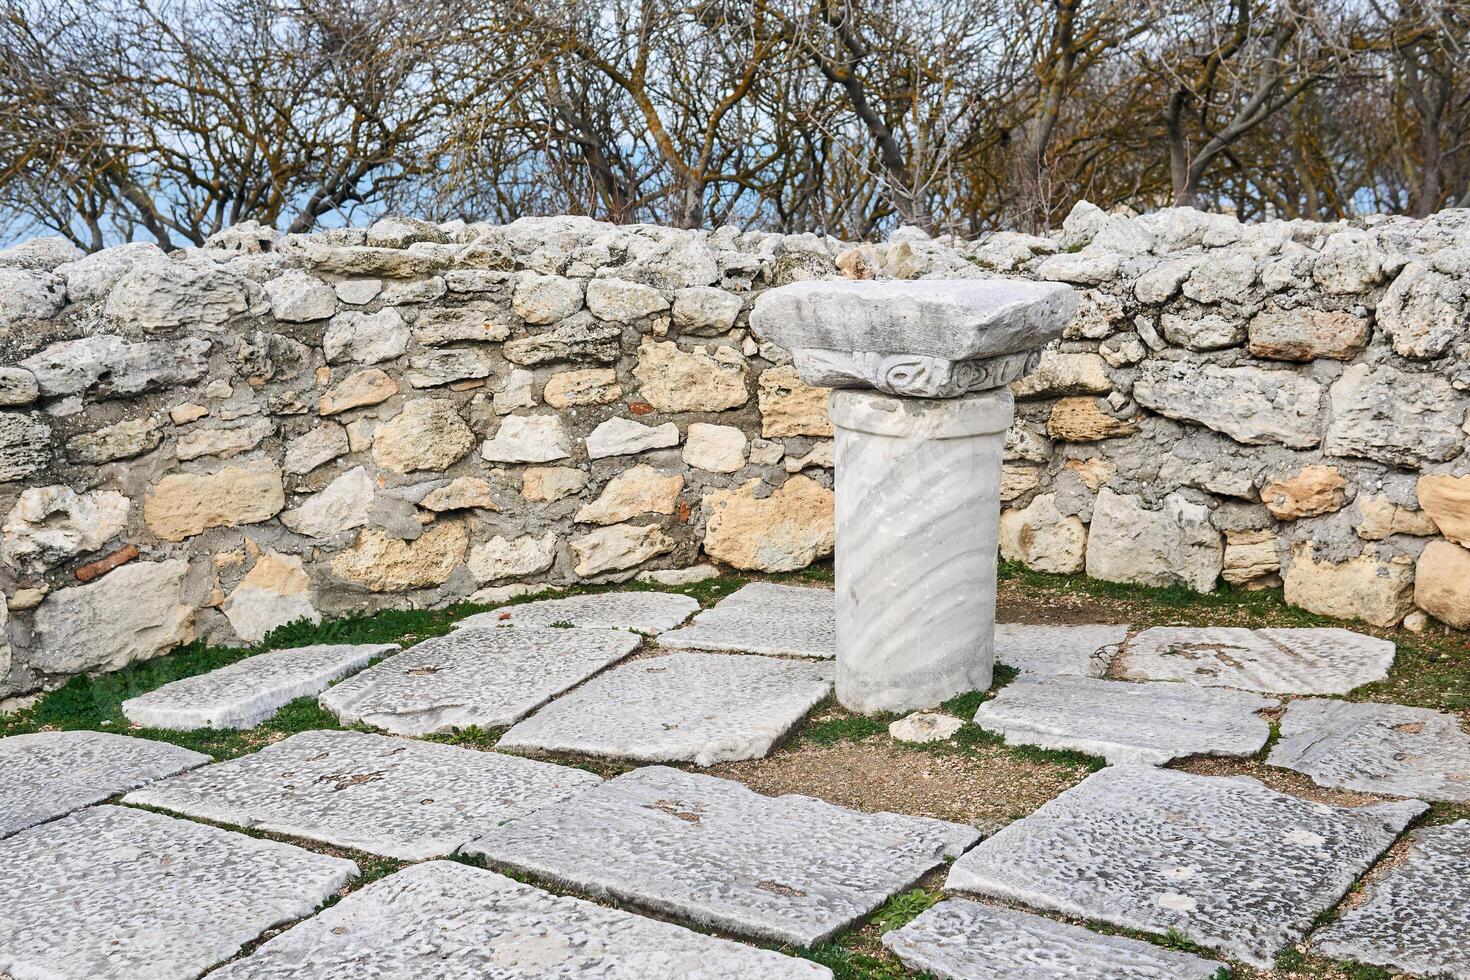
1041 651
688 707
247 692
390 796
49 774
443 919
963 940
113 892
1278 661
1417 916
484 677
782 620
1376 748
788 868
1123 722
1226 862
642 612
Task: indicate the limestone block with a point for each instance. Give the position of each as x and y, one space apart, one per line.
786 531
546 299
315 447
1224 278
1442 583
705 310
276 591
639 490
341 505
1205 332
1275 661
440 325
1310 492
578 338
1368 587
133 613
1251 405
503 558
461 493
357 390
398 231
1305 334
1348 263
1084 420
717 448
365 338
528 439
368 261
225 441
299 297
40 253
618 546
545 484
650 613
25 446
1042 538
18 387
516 391
428 434
446 365
121 440
1250 556
1395 417
620 301
108 366
789 407
90 277
672 379
1420 311
624 437
48 525
1062 373
383 564
1446 501
1379 518
593 386
184 504
1176 544
171 296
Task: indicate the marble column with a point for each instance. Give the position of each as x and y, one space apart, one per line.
918 512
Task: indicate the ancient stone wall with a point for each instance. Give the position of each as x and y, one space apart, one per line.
218 441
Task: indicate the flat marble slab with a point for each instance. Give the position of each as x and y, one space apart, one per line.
1038 651
395 797
1124 722
1390 749
116 892
687 707
1227 862
247 692
49 774
1277 661
643 612
789 869
963 940
1416 917
484 677
443 919
763 617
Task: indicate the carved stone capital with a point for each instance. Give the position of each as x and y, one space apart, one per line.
911 375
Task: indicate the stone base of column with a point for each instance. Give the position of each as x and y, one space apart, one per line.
918 514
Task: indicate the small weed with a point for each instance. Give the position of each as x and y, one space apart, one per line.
903 909
1290 960
1174 939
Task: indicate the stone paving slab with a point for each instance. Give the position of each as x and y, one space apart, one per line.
391 796
1042 651
1227 862
116 892
443 920
762 617
1388 749
247 692
642 612
49 774
1416 918
963 940
1125 722
687 707
789 869
1277 661
485 677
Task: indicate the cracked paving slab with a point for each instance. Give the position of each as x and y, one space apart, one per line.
1038 651
1227 862
245 693
643 612
49 774
1275 661
789 869
446 920
390 796
114 892
687 707
484 677
763 617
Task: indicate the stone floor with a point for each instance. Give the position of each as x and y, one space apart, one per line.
125 856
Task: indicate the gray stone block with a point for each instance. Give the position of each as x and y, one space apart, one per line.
49 774
782 620
390 796
1388 749
1124 722
443 919
1278 661
790 869
484 677
247 692
114 892
963 940
687 707
642 612
1226 862
1041 651
1416 918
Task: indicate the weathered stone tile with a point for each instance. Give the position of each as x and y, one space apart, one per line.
788 868
1417 916
247 692
1041 651
390 796
49 774
484 677
1226 862
1279 661
688 707
410 925
642 612
1376 748
965 940
1123 722
784 620
114 892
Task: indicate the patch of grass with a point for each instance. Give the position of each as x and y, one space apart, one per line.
973 736
851 964
845 728
900 910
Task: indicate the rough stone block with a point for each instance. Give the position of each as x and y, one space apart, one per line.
1043 651
1279 661
783 620
643 612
